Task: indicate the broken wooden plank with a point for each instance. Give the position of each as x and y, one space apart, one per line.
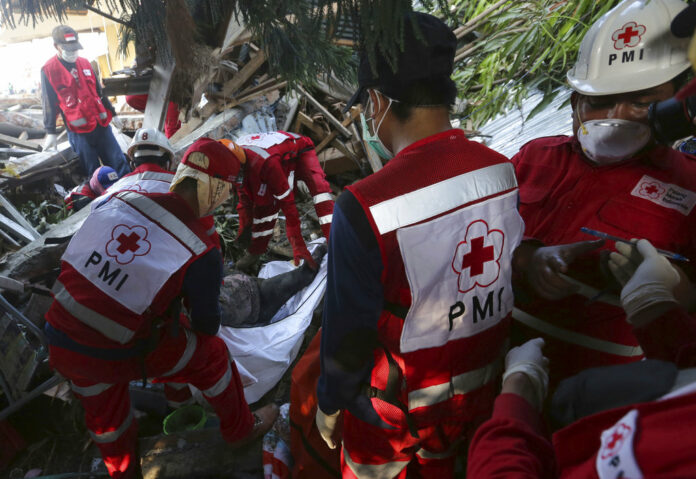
306 121
185 129
332 119
244 75
11 140
17 216
347 122
257 94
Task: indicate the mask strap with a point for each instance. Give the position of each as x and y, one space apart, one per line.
391 100
582 124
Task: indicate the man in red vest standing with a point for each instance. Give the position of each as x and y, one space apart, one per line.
419 293
70 87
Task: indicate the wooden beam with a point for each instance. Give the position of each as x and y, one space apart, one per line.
354 112
303 119
244 74
332 119
11 140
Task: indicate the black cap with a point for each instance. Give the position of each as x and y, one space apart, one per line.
427 55
684 23
66 37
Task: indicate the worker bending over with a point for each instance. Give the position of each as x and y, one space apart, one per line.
115 316
275 162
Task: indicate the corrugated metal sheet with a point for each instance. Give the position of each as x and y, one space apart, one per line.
509 131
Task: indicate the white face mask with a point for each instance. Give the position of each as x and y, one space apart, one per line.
70 57
610 141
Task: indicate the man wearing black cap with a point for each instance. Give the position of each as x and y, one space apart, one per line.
417 309
70 87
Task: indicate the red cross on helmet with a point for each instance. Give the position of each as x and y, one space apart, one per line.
631 48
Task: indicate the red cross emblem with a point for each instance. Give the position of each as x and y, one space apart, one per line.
477 259
127 242
612 442
628 36
651 190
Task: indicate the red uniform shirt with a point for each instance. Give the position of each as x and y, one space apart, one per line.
651 196
658 439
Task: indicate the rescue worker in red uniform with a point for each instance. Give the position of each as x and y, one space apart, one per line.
648 439
81 195
611 176
275 162
419 293
116 309
70 87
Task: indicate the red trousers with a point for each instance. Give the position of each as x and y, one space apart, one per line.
171 122
102 387
372 452
308 170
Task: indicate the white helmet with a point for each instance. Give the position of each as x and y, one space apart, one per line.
631 48
152 137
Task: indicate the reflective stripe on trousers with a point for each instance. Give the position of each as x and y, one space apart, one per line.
460 384
191 344
572 337
374 471
266 219
259 234
87 391
220 386
112 436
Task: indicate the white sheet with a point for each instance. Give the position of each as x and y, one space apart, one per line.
265 353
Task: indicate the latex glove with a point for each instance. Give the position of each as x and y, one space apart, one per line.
548 262
326 423
653 281
624 262
529 360
300 252
117 122
51 142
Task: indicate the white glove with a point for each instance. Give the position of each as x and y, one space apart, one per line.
327 425
529 359
624 262
117 122
51 141
652 282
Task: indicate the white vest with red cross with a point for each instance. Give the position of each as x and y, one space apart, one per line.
124 267
444 212
78 99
